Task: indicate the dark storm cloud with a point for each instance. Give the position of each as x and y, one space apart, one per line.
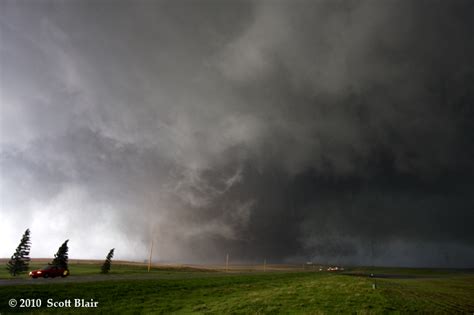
339 131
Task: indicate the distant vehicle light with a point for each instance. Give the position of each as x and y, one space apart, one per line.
335 268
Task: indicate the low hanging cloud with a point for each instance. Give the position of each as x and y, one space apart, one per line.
334 131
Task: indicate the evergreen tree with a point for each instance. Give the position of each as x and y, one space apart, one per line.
61 257
108 260
19 261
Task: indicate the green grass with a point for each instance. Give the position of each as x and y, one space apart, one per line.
77 269
184 292
454 294
88 269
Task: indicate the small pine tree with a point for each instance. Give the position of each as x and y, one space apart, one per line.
19 261
108 260
61 257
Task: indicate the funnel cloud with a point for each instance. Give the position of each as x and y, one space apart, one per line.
325 131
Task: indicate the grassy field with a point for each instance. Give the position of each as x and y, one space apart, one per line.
87 268
185 290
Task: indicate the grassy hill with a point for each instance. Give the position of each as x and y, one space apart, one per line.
186 290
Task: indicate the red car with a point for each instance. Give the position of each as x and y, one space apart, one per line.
50 271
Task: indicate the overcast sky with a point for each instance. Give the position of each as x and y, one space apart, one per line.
326 131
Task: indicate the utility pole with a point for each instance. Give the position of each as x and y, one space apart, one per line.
227 262
151 253
264 264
